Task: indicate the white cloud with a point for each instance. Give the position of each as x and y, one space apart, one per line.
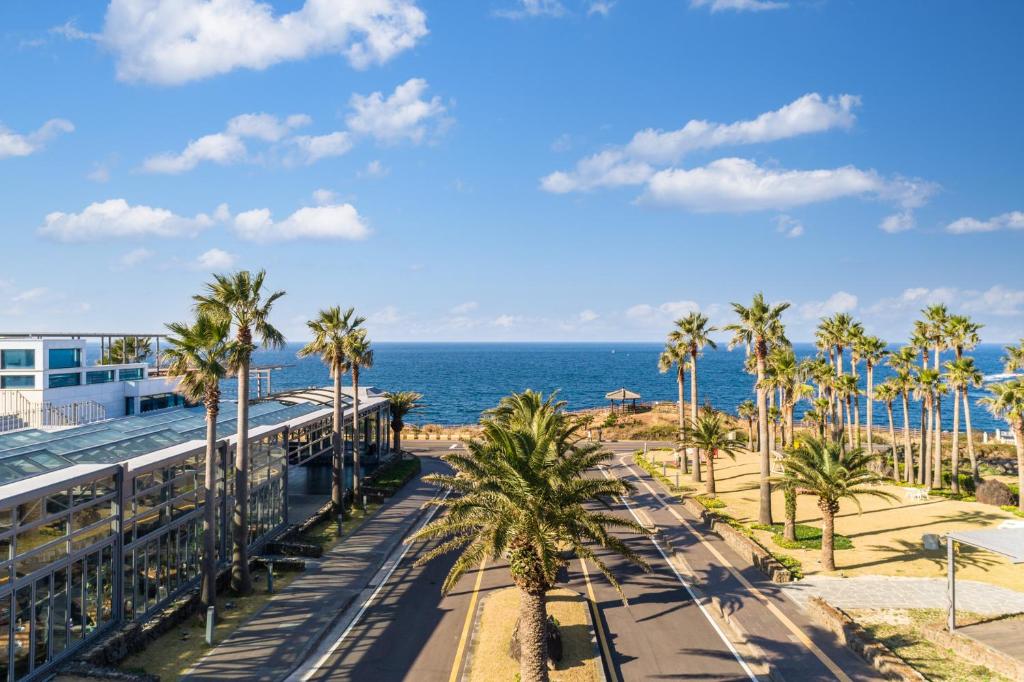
629 164
100 173
16 144
996 300
1014 220
265 126
464 308
532 8
322 197
587 315
602 7
33 294
839 302
789 226
216 259
898 222
670 310
404 114
386 315
506 321
70 31
219 148
739 5
737 185
374 169
134 257
312 148
117 218
170 42
335 221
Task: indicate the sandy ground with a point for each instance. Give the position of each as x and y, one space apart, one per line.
490 660
886 535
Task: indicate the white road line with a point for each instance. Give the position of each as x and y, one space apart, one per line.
718 630
300 676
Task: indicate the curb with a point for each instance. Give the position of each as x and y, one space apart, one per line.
598 655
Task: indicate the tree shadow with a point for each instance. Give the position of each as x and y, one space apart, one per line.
904 551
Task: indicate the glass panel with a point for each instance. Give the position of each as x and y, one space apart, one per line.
5 634
60 611
99 377
78 623
91 592
106 585
22 631
18 381
65 358
42 621
62 380
133 374
17 359
41 535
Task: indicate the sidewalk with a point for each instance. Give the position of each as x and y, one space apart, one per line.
279 637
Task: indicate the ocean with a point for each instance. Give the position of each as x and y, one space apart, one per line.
460 380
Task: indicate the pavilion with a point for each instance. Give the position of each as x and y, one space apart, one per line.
623 396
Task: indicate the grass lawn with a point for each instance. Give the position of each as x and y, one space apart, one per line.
807 537
490 660
886 534
900 630
181 647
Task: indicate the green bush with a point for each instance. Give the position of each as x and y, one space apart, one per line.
966 481
1012 509
656 432
611 420
807 537
709 502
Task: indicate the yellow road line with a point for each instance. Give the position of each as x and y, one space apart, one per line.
756 593
461 649
601 637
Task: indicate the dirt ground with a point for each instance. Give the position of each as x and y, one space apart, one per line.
886 535
490 660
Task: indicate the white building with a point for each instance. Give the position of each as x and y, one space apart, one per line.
47 381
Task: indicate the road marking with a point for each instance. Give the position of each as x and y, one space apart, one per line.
470 613
601 636
686 585
320 662
454 446
756 593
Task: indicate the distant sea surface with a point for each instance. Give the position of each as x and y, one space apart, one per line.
460 380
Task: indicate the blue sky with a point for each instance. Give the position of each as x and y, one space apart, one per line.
513 169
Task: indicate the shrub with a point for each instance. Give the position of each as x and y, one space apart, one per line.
993 491
966 482
657 432
611 420
709 502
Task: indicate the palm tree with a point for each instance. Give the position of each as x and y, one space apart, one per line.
856 341
928 383
821 408
747 410
824 469
902 363
330 329
788 376
872 350
759 326
711 435
921 339
524 491
962 334
1013 361
675 355
888 392
240 301
846 389
127 349
1007 402
959 375
692 334
401 404
198 355
358 355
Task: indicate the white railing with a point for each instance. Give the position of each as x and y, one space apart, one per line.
18 412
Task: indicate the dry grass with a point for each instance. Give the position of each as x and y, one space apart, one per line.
180 648
490 660
886 536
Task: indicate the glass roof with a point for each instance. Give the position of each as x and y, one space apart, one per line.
32 452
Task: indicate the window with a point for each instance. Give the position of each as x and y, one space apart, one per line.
129 407
17 359
131 374
62 380
18 381
99 377
65 358
161 401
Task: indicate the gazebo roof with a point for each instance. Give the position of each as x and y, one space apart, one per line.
1006 541
621 394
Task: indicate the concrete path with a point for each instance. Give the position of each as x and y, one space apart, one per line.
289 628
879 592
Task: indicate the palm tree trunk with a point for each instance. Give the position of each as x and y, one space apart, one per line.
1018 441
209 587
849 421
937 447
693 413
970 437
533 642
871 405
926 455
396 427
955 454
680 381
908 450
750 433
892 441
764 514
338 445
241 581
856 416
789 527
709 487
356 471
828 558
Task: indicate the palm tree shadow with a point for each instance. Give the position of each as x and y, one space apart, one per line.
905 551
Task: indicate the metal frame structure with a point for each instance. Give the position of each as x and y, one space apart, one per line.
1009 542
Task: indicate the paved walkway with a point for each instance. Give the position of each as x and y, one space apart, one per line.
878 592
274 641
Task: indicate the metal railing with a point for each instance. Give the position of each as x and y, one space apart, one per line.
18 412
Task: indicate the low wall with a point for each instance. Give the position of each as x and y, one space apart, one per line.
977 652
858 640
